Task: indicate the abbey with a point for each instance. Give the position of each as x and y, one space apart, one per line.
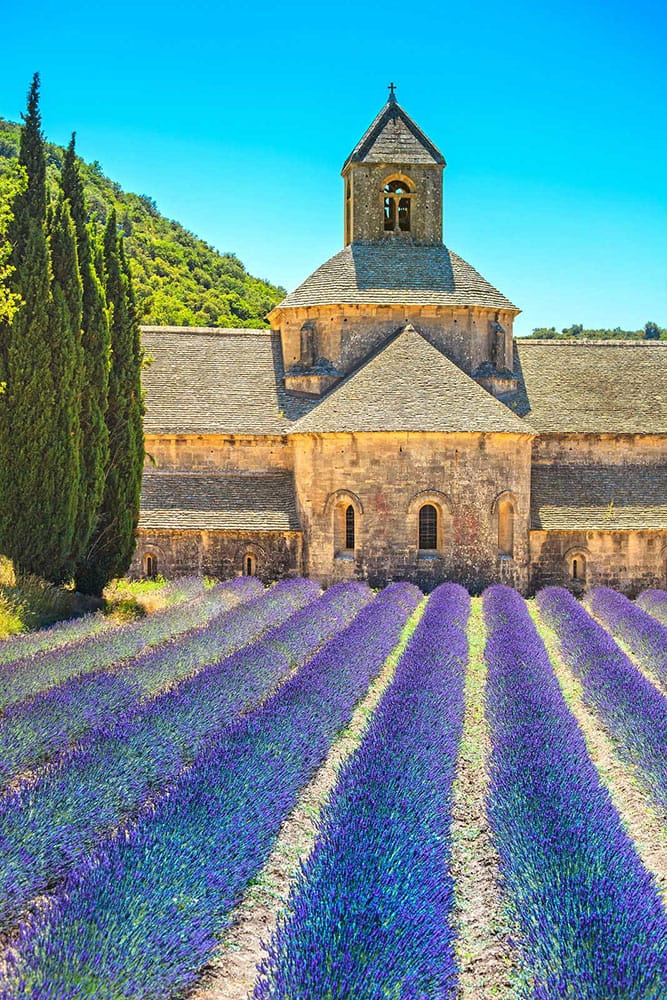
389 426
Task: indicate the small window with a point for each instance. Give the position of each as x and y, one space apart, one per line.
249 564
349 527
150 565
428 527
506 528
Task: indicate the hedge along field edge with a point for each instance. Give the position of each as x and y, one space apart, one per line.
644 638
369 914
110 779
142 916
25 678
486 959
591 919
52 722
645 823
232 971
629 705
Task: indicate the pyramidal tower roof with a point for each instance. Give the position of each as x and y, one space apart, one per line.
394 138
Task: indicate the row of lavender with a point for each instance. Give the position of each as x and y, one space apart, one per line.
370 913
631 707
142 914
24 677
65 632
108 778
33 732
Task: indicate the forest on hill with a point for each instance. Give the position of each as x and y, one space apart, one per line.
178 279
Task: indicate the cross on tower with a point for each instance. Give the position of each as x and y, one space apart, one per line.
391 88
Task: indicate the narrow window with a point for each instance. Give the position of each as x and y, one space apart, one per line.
150 566
349 527
579 568
249 565
428 527
506 528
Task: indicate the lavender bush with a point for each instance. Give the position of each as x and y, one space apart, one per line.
655 602
632 709
110 778
591 922
25 678
370 913
35 731
144 914
642 634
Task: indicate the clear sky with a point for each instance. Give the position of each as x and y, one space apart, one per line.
237 120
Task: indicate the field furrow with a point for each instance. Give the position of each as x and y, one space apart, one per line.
141 917
632 709
369 915
643 637
591 920
655 602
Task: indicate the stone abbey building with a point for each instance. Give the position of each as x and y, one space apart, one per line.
389 426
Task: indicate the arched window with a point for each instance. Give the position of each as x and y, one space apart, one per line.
249 564
506 528
150 565
397 195
349 527
578 568
428 527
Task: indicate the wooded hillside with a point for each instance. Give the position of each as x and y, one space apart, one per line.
179 279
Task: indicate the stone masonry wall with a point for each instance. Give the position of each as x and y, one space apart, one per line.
347 334
220 452
629 561
387 477
367 182
219 553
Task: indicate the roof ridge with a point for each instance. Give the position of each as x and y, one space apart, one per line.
589 341
203 331
392 109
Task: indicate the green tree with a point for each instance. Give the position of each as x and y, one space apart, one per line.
651 331
96 360
112 545
12 183
36 525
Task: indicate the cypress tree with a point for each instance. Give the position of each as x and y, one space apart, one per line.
112 545
96 359
36 525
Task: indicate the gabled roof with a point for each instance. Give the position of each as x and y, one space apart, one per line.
215 381
203 501
408 385
396 272
394 138
604 387
599 497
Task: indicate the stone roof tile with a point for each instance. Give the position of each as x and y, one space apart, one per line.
225 502
599 497
393 137
215 381
396 271
408 385
612 386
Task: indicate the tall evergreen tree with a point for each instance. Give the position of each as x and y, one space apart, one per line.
96 361
36 525
112 545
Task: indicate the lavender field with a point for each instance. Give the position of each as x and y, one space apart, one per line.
295 794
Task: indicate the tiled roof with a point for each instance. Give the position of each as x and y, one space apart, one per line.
408 385
203 381
599 497
396 271
393 137
612 386
201 501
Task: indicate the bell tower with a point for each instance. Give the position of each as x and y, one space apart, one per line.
393 182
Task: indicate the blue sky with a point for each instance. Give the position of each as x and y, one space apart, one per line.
237 119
